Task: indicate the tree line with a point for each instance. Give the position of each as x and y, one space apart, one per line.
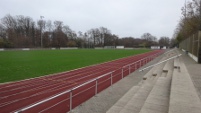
23 32
190 21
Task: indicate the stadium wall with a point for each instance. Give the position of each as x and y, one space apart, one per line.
192 46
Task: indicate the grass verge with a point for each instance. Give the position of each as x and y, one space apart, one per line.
19 65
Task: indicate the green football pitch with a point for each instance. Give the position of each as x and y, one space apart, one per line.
19 65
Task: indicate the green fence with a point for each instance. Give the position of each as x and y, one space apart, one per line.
192 45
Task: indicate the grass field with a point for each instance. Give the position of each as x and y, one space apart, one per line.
18 65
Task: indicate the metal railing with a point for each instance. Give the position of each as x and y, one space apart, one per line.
123 71
160 62
138 64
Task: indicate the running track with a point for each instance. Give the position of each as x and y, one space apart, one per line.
17 95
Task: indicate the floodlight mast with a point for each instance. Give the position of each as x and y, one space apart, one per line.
41 17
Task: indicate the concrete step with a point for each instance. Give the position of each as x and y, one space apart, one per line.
147 75
168 66
158 99
163 74
158 70
125 101
164 66
172 52
169 74
137 101
183 96
176 63
118 106
121 103
154 71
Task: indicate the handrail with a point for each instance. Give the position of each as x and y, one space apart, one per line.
139 60
91 80
160 62
45 100
135 62
67 91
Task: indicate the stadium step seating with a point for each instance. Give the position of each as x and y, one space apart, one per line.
166 88
176 63
117 107
138 98
155 70
158 99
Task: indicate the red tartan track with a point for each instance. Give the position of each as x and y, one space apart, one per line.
17 95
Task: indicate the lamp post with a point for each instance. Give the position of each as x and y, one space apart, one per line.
41 17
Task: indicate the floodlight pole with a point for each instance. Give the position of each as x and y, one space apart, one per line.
41 17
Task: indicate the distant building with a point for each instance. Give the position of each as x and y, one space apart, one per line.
158 47
119 47
155 47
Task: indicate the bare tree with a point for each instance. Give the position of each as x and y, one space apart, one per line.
2 31
92 38
22 31
190 20
150 39
10 24
59 38
103 32
164 41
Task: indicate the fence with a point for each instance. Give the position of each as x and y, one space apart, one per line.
73 97
192 45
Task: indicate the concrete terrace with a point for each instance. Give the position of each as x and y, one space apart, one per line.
170 87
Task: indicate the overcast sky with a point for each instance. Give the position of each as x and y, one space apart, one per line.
122 17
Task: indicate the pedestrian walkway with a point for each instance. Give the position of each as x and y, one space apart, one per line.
194 69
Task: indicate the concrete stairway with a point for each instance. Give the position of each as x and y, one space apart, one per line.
138 93
142 90
166 88
158 99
